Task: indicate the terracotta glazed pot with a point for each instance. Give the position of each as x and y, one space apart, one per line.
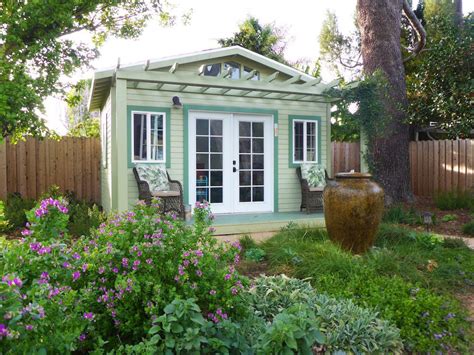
353 207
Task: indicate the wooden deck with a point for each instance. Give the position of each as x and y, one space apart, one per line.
233 224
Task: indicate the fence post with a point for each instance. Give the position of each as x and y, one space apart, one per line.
3 169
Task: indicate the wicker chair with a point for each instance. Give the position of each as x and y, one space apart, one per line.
311 197
171 201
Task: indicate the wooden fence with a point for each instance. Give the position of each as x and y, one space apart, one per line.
345 157
446 165
73 164
31 167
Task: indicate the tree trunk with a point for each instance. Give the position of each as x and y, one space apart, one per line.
458 15
380 27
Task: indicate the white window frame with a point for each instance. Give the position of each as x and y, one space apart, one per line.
148 136
305 137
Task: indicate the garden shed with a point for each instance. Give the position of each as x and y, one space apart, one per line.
229 124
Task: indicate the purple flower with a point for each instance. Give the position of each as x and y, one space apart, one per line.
3 331
66 265
136 263
212 292
44 250
84 267
88 315
76 256
28 327
199 273
76 275
44 278
149 261
125 262
82 337
25 232
449 316
227 276
35 246
101 270
199 253
115 270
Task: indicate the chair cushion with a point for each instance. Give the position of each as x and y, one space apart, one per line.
320 188
155 176
165 193
314 174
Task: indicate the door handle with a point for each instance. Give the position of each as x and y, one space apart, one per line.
234 169
234 162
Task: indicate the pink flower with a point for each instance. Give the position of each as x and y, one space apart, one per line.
149 261
76 275
212 292
35 246
199 273
3 331
25 232
88 315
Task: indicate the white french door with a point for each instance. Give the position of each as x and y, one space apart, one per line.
231 161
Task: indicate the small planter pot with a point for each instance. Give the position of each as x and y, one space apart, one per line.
353 207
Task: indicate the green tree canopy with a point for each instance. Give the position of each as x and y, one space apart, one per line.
440 88
36 49
267 40
439 80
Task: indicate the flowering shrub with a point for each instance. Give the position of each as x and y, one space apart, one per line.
116 282
47 220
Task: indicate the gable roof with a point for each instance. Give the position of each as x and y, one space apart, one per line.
103 78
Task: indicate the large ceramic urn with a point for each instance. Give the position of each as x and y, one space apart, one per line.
353 207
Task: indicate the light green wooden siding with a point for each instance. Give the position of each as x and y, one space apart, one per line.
105 172
289 193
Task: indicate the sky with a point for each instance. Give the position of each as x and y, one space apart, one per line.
214 19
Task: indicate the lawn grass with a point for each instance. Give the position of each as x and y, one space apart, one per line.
406 275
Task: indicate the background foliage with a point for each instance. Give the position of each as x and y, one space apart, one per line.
36 49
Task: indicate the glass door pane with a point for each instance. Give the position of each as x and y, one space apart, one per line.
209 160
251 161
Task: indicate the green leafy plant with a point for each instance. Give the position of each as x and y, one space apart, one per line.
454 200
247 243
84 217
295 330
255 254
449 218
468 228
346 327
402 215
15 210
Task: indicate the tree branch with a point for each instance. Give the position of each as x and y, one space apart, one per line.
417 27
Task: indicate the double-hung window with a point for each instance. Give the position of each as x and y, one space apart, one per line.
148 137
305 135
